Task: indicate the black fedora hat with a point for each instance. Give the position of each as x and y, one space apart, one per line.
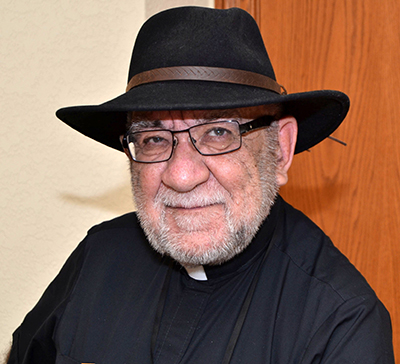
194 58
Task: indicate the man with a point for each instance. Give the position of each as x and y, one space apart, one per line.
214 267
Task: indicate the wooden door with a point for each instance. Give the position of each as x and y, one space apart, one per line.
352 192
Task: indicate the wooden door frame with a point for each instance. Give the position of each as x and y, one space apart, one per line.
251 6
385 281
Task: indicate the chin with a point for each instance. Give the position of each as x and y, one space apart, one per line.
197 249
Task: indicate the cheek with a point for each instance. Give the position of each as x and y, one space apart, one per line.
146 180
239 176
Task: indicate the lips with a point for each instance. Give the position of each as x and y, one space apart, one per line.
195 219
189 207
189 200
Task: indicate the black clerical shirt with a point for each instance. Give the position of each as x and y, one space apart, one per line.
114 302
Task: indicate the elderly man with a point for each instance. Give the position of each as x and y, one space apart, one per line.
214 267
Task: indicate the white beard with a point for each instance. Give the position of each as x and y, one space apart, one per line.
238 232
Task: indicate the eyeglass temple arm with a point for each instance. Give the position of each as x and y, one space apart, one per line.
266 120
124 141
260 122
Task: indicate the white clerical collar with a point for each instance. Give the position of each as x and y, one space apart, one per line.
197 273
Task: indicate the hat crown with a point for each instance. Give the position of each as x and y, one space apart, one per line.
194 36
200 41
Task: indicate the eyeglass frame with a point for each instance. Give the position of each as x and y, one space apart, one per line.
258 123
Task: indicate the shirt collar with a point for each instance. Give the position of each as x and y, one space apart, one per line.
252 252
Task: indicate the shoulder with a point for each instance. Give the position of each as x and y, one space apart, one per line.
123 232
343 313
119 240
312 251
127 221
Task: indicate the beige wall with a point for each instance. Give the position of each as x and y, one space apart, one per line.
55 183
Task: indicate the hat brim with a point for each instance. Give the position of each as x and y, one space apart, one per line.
318 113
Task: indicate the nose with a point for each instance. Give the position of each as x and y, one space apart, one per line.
186 169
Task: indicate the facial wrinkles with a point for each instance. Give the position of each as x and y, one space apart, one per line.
239 228
209 195
201 196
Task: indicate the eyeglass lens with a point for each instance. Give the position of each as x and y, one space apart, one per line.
209 139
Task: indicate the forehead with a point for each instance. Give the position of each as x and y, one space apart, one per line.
158 118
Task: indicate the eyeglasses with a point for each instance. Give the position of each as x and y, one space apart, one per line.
215 138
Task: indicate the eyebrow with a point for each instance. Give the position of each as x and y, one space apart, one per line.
144 124
140 121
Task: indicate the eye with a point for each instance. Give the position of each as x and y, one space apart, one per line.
218 132
153 140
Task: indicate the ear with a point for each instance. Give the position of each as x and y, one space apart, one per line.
285 152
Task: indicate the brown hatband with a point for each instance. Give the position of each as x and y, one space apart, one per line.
215 74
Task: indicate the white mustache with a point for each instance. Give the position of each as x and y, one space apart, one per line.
188 200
